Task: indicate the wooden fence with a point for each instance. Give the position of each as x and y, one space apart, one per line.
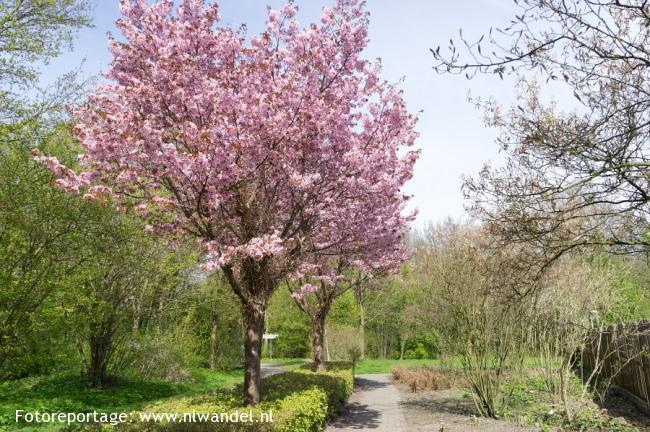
621 354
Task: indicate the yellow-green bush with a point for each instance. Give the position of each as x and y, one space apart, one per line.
300 400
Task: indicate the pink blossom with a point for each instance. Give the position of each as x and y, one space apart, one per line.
284 154
327 16
304 290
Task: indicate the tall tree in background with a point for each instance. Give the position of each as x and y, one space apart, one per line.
575 179
41 230
262 150
119 268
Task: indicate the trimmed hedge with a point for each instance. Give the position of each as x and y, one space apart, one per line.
301 401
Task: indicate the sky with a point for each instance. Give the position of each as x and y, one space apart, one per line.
453 139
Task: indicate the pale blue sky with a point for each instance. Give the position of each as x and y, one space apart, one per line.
453 139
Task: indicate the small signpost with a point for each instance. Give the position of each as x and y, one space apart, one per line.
268 337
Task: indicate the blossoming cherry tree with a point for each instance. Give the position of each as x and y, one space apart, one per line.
262 147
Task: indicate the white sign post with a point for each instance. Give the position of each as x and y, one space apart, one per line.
269 338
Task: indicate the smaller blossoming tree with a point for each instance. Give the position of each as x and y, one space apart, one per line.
377 252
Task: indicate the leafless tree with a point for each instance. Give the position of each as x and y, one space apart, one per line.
577 179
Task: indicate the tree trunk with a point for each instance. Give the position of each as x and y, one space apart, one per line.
137 314
317 339
96 373
327 346
402 343
564 382
213 340
254 329
362 330
82 354
100 351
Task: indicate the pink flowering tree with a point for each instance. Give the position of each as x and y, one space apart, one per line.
262 147
371 245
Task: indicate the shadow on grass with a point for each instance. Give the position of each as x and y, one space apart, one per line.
68 392
618 405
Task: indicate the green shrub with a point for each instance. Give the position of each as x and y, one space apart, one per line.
158 355
532 402
300 400
590 421
419 347
416 351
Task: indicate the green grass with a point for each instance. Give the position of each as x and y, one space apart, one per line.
381 366
285 363
67 393
206 379
367 366
377 366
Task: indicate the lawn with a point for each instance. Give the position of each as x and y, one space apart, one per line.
367 366
381 366
285 363
67 393
376 366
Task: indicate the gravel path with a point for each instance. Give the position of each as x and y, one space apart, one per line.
449 411
375 405
270 369
378 405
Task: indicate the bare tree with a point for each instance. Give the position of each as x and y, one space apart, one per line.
576 179
470 308
564 313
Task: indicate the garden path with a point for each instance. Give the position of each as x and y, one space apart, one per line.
270 369
380 406
375 405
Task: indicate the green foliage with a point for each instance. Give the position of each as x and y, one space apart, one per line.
41 231
395 316
300 400
75 277
344 311
629 283
291 325
68 393
305 411
531 401
384 366
32 31
627 279
158 355
594 422
419 347
214 299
